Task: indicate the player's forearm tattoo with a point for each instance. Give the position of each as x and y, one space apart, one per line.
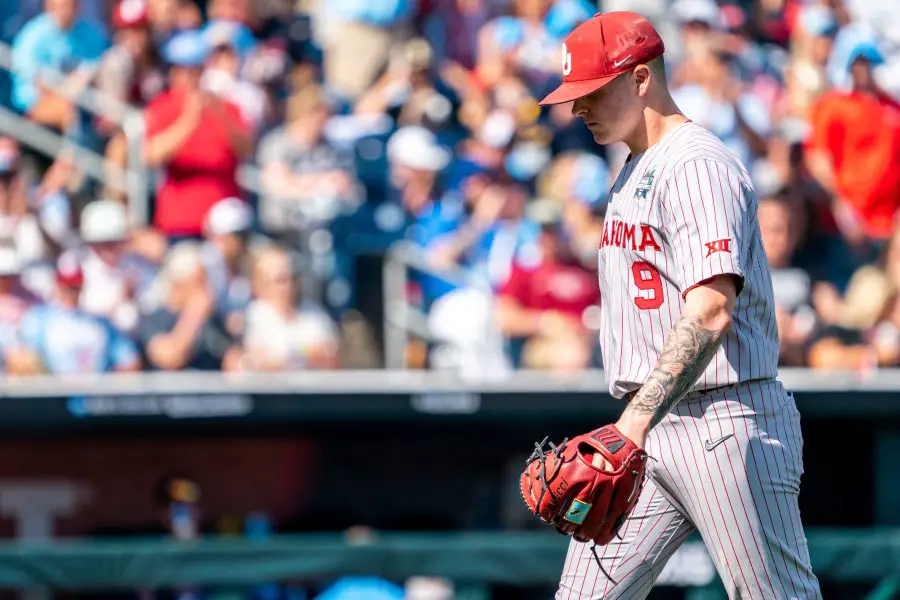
685 355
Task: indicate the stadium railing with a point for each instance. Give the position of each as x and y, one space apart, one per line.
402 319
134 180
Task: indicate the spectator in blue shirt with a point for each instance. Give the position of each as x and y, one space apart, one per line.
68 341
56 40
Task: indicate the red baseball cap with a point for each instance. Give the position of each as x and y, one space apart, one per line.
130 14
601 49
68 271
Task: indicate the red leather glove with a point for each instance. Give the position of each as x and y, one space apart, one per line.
564 488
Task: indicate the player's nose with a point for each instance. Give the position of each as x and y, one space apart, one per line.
579 109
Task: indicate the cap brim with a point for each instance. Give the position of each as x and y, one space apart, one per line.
573 90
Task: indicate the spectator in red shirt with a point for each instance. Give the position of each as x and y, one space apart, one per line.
547 304
854 151
196 137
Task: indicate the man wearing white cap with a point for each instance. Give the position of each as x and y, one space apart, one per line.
226 229
415 160
114 280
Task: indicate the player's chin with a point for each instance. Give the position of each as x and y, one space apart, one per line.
601 136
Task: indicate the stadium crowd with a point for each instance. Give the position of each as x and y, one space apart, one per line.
376 122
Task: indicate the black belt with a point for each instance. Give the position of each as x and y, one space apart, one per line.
711 390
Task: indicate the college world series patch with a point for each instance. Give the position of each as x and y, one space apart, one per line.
644 185
578 512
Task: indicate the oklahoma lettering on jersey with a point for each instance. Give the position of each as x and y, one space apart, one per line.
681 213
621 235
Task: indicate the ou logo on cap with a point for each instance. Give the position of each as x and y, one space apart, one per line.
566 60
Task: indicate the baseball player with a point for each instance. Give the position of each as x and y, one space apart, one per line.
689 343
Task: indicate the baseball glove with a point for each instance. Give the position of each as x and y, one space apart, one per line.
563 487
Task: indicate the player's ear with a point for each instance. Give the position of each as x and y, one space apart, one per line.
642 79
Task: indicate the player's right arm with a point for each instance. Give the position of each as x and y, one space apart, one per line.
688 349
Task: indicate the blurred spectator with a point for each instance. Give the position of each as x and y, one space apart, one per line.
225 256
847 342
238 11
578 182
59 41
185 333
130 70
854 150
538 54
697 21
17 222
885 336
360 40
196 137
129 73
486 245
415 160
806 77
15 301
281 335
800 90
66 340
230 43
38 222
428 588
545 300
408 88
167 17
494 236
453 30
300 166
716 100
863 328
780 229
177 499
116 281
370 588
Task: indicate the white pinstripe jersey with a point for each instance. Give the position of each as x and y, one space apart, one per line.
680 213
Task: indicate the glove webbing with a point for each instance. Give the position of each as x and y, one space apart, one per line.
540 455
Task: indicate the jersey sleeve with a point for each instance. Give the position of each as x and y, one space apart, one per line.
707 214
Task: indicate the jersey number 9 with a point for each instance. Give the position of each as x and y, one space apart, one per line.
647 279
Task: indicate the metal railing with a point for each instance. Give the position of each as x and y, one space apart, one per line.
402 320
133 180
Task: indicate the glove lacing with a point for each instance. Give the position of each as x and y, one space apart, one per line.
540 454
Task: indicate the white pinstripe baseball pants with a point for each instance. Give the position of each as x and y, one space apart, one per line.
728 464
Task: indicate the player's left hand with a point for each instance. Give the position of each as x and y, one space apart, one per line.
580 494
